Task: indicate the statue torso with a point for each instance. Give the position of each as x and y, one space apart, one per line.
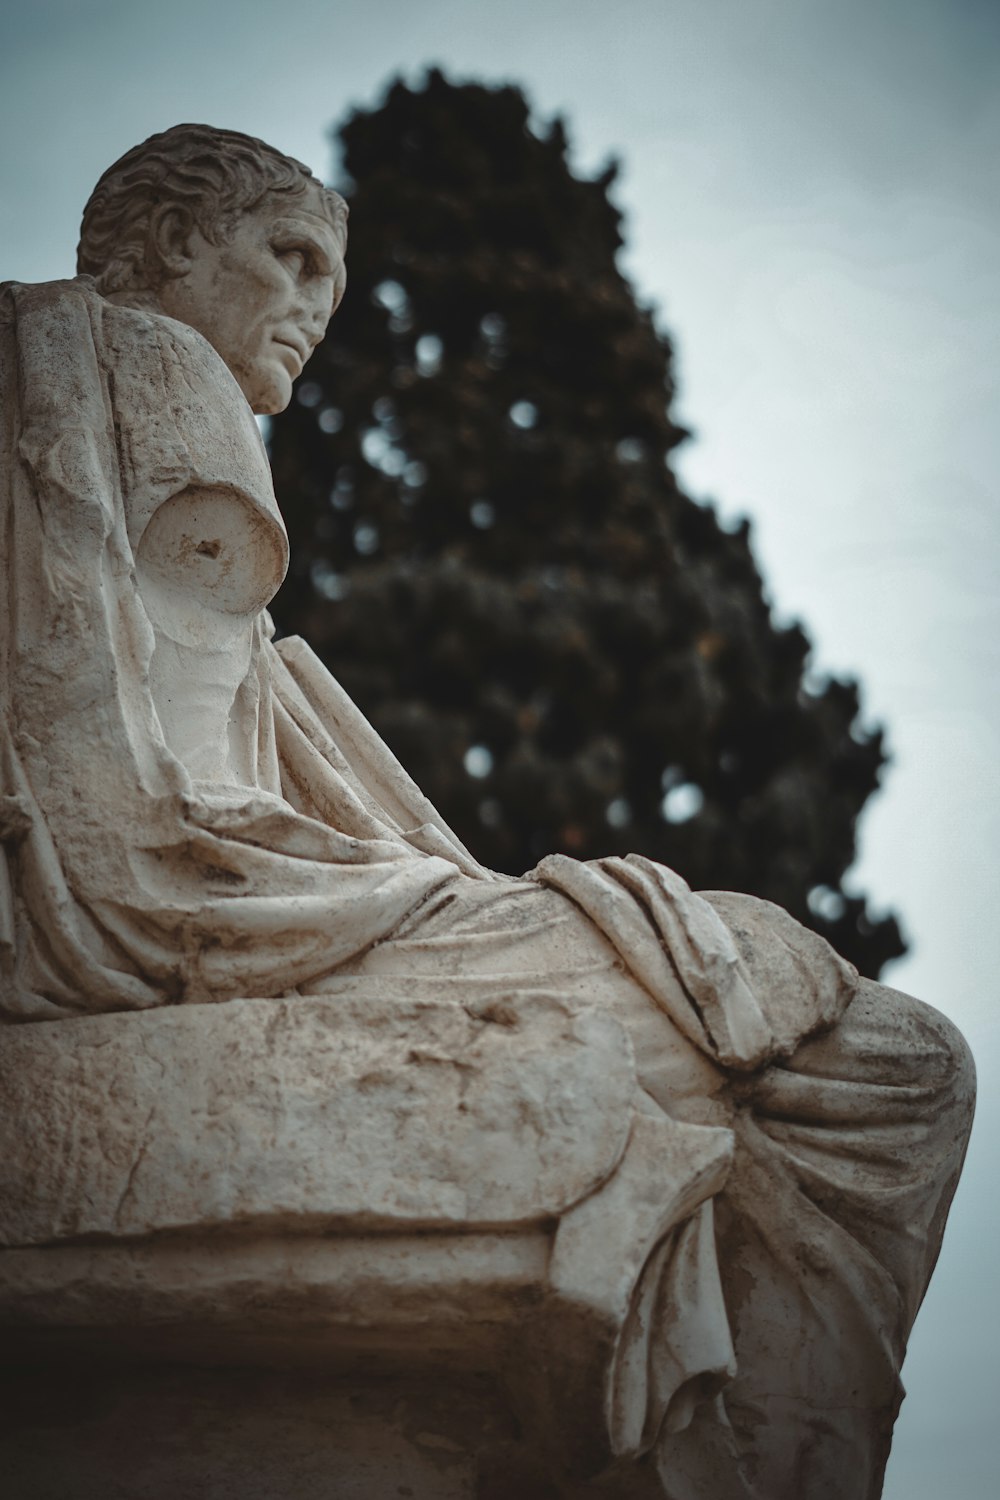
209 544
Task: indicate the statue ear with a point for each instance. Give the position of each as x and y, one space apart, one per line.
168 244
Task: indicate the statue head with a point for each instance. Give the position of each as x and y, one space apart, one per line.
225 234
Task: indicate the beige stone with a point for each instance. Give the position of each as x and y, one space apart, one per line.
332 1163
309 1114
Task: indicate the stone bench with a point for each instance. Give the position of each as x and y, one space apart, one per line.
223 1222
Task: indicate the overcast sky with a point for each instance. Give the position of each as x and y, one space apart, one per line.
811 198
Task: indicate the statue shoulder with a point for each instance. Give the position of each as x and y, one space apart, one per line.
59 302
18 295
55 320
119 320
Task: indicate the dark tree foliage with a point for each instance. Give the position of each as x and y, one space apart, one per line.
490 551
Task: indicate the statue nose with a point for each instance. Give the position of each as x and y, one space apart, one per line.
321 302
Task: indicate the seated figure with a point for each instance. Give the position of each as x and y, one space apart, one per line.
192 813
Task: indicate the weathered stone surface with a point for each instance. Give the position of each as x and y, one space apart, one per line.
260 1435
307 1113
291 1298
314 1089
551 1312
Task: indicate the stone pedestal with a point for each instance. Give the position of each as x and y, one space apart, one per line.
262 1433
289 1249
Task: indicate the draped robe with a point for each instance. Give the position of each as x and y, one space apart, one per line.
191 813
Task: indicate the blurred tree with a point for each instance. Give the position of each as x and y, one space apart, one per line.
490 551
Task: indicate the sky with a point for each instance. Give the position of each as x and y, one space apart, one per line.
811 205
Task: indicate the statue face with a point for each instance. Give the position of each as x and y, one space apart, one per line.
264 297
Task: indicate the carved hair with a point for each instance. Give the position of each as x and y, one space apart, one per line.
218 175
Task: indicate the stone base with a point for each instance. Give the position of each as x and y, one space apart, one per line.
316 1251
184 1433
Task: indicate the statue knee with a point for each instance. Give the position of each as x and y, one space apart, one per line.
930 1051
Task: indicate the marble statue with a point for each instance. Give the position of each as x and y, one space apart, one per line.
206 847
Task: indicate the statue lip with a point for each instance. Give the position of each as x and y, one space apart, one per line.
297 346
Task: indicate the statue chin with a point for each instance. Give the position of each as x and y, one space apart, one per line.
268 388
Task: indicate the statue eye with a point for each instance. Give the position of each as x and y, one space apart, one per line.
294 258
